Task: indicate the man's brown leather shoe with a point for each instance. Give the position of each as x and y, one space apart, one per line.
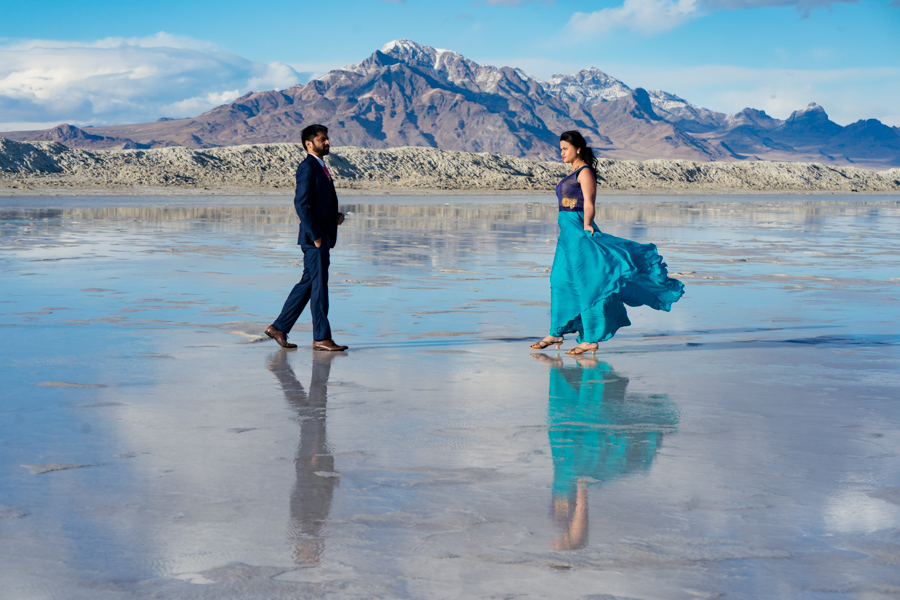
327 346
279 337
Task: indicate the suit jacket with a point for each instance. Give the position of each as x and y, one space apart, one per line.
316 204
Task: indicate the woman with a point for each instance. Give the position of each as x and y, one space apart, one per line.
596 274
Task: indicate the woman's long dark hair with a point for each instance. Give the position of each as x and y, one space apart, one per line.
587 155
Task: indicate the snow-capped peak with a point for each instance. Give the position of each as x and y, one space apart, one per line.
810 111
589 86
455 67
662 98
407 46
410 51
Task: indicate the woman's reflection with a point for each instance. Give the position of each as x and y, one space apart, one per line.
597 434
316 479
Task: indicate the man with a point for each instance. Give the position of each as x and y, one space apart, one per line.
317 206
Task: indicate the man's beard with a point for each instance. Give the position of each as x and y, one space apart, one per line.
320 150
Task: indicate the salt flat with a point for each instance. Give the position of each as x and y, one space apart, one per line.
154 444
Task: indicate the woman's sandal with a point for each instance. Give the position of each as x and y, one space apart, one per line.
580 349
544 343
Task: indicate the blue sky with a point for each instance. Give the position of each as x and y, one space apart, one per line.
107 62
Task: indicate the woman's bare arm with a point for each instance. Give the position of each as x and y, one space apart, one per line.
589 191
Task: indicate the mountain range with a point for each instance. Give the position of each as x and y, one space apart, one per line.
409 94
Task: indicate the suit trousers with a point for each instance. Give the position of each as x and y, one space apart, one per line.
312 290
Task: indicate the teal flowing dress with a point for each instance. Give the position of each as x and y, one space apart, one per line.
595 276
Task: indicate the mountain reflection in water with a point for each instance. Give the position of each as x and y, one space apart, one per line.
598 433
451 216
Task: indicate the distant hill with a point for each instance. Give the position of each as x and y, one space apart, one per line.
408 94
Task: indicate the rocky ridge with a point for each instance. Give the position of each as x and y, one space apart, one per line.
51 165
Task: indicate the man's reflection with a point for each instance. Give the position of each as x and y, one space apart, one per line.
316 479
596 435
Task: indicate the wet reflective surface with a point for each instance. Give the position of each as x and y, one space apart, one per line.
154 444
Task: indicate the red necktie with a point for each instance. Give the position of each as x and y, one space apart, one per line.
326 172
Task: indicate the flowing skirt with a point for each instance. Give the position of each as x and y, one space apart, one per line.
594 277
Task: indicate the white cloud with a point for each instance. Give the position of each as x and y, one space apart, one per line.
200 104
275 75
644 16
655 16
119 80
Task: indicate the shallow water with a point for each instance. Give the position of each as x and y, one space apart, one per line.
154 443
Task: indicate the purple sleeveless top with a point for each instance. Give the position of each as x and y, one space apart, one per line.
568 192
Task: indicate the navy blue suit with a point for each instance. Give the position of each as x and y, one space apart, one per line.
316 204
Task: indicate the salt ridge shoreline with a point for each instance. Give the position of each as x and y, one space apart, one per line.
29 166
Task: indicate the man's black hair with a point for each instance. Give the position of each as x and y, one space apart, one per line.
310 132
